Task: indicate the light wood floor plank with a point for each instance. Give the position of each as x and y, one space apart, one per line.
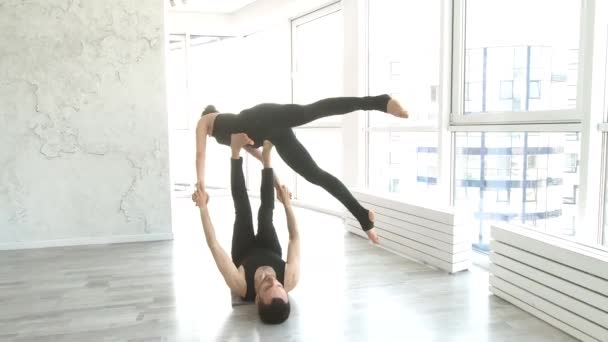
171 291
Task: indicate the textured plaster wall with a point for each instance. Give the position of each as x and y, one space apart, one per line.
83 124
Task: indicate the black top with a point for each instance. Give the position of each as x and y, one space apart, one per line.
226 124
257 258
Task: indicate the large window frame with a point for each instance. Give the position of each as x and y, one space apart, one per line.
437 125
303 19
575 115
583 118
603 129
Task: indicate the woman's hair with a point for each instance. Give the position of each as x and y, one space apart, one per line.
209 109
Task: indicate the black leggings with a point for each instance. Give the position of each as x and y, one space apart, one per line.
274 122
243 238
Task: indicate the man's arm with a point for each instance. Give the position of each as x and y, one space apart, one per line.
292 266
234 280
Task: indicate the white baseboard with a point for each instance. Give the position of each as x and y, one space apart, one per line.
86 241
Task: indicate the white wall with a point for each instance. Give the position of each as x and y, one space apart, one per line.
83 124
212 24
266 13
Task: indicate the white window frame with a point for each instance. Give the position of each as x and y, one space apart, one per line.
603 128
303 19
438 125
457 117
295 22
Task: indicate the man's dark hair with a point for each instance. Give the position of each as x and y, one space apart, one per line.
274 313
209 109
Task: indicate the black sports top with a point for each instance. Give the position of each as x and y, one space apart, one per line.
226 124
257 258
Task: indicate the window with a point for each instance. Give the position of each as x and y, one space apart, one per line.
503 195
510 65
531 162
571 198
516 177
394 185
402 155
397 68
317 41
321 30
571 162
418 169
534 90
506 90
531 195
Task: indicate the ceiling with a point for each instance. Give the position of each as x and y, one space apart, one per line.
209 6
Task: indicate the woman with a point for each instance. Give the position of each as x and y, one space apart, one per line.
274 122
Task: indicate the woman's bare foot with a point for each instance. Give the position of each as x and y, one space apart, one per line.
394 108
266 153
371 234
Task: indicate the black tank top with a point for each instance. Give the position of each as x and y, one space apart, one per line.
226 124
257 258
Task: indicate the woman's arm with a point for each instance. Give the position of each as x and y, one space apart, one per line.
201 145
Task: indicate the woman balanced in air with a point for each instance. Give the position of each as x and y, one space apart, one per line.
274 122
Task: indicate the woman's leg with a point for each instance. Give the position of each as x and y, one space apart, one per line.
242 234
298 158
292 115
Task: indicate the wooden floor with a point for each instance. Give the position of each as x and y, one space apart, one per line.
171 291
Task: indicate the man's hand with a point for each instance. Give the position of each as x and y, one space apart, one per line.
284 195
201 198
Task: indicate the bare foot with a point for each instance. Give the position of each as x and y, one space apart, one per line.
394 108
371 234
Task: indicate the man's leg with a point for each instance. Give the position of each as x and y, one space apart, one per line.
267 235
269 115
242 235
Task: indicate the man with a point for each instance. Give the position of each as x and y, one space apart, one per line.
256 271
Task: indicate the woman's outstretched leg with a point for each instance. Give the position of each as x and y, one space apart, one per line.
298 158
269 115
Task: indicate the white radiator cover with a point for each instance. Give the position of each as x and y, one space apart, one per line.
554 279
432 235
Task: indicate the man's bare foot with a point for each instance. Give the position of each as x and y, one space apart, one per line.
371 234
394 108
266 153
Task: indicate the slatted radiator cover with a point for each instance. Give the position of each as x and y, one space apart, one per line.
557 280
430 234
